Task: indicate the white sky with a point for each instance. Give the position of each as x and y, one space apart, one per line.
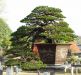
16 10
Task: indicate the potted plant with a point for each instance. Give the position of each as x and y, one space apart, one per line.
47 24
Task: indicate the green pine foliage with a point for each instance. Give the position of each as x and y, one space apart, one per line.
21 52
49 23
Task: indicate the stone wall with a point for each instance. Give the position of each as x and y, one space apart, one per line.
61 53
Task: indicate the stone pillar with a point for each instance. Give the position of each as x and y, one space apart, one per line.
46 73
1 69
9 70
16 70
72 70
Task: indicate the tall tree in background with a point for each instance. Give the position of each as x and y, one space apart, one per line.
5 33
48 22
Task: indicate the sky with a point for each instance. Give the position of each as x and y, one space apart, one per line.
15 10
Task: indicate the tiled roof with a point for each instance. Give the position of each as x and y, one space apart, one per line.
74 48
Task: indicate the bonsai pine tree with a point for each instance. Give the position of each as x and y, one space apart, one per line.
48 23
43 22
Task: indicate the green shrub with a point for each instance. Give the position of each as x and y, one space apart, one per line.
32 65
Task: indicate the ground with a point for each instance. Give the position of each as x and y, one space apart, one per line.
28 73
